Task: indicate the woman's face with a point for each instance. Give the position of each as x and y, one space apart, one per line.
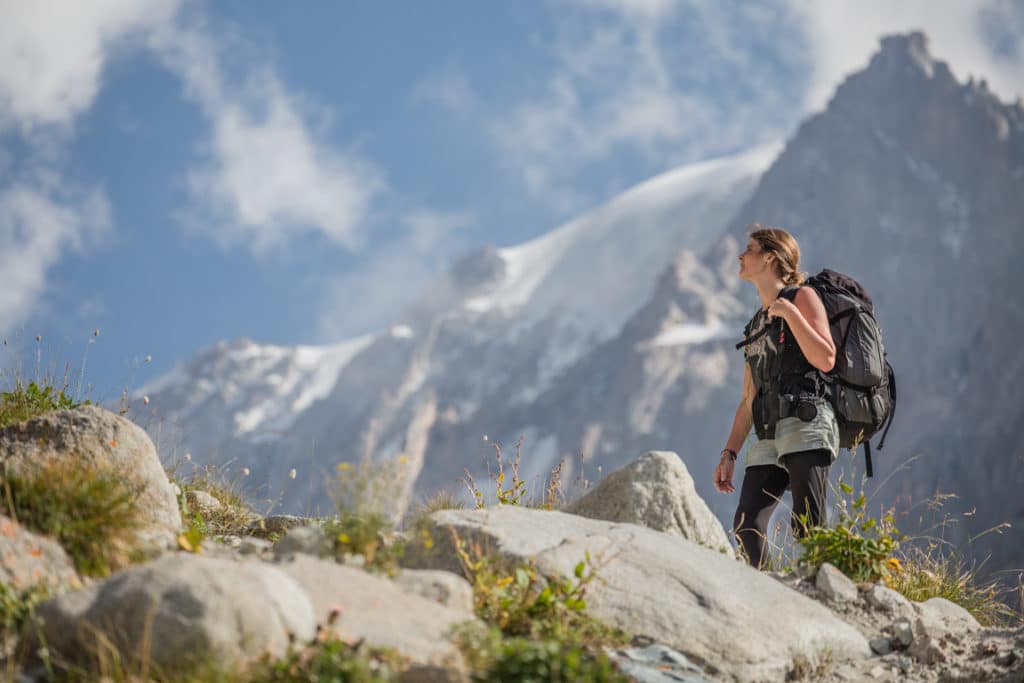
752 261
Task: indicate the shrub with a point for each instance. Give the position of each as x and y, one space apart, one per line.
523 603
334 661
91 511
27 401
520 659
366 535
858 545
16 606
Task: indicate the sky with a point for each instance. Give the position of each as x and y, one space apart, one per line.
174 173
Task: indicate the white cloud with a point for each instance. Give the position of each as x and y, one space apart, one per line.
267 176
52 54
664 81
38 224
370 297
672 81
843 36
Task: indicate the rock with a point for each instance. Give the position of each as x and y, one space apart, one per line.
889 601
274 525
98 437
902 634
185 609
204 503
735 621
442 587
656 664
656 491
358 605
29 561
880 646
259 547
835 585
904 664
937 616
309 540
926 650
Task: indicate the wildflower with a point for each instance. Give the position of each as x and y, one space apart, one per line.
894 565
402 459
188 457
145 399
485 437
245 471
342 466
149 359
292 473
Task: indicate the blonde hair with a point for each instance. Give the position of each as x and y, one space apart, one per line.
783 245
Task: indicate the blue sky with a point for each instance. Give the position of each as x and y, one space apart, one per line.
174 173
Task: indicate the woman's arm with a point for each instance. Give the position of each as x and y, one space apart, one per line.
741 424
808 320
744 418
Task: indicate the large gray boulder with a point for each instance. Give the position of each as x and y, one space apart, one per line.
97 437
656 491
738 623
355 604
176 611
29 561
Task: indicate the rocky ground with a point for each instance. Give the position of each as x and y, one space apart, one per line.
665 575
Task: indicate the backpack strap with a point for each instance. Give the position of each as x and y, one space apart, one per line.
892 413
867 459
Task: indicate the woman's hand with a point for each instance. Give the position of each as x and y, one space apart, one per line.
782 308
723 474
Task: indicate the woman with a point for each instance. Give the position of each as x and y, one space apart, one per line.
787 343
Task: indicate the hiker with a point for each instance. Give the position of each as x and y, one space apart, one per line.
784 397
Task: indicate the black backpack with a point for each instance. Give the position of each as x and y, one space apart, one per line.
862 384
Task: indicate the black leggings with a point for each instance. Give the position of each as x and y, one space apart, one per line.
763 486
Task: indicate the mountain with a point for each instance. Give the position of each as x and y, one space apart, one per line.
914 182
495 331
614 333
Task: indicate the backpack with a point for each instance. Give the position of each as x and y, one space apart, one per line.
862 383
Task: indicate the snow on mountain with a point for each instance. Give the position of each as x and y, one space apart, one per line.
500 328
262 387
593 267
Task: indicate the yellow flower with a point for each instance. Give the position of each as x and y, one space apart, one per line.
342 466
344 538
894 565
504 581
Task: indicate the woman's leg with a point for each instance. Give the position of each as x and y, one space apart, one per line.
762 487
808 479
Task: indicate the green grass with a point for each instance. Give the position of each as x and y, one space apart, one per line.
91 511
26 401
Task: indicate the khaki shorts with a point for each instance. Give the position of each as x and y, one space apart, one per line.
793 435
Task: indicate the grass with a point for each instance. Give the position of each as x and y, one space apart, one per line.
235 513
509 489
90 510
923 566
46 391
